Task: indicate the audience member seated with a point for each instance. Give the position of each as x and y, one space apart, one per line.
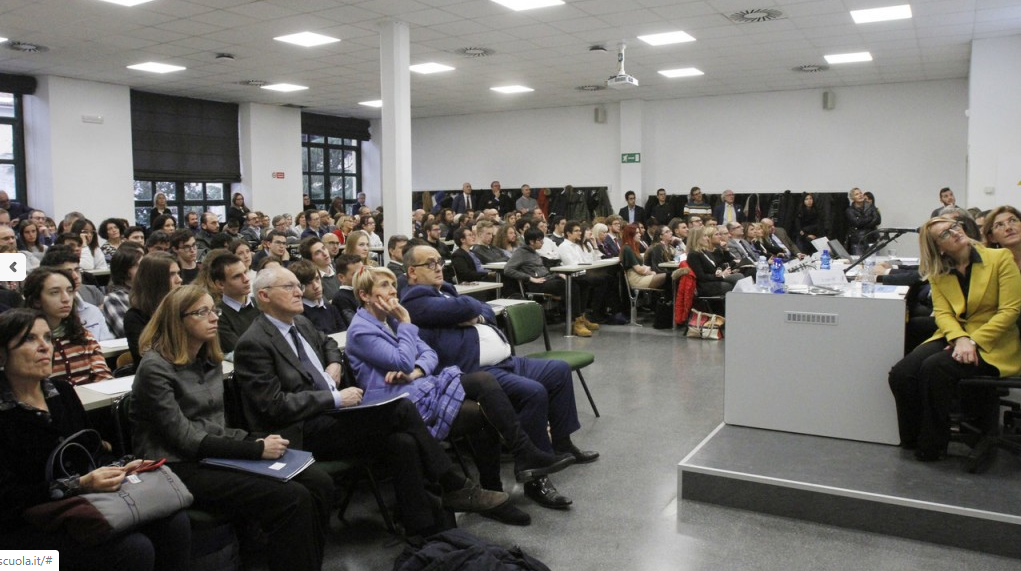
506 240
123 266
638 275
324 315
663 251
78 358
36 414
113 232
697 205
88 297
526 266
358 245
29 243
157 274
612 241
467 266
241 249
807 226
165 223
344 300
756 235
976 295
778 237
178 414
92 257
395 247
1002 229
289 373
237 312
389 358
485 231
314 250
726 259
274 243
710 279
182 245
595 287
158 241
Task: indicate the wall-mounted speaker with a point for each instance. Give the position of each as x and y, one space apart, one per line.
829 100
600 114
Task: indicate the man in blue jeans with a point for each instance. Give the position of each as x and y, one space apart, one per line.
462 330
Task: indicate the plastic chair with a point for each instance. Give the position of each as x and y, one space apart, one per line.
526 323
633 294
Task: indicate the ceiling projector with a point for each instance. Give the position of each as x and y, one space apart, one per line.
621 80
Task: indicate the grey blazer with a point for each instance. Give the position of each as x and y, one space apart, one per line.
278 395
177 407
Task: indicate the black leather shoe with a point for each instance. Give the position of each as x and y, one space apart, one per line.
508 514
546 495
545 464
580 456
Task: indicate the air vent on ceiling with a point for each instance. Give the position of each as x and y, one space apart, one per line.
811 68
27 48
590 87
475 52
753 16
253 82
294 106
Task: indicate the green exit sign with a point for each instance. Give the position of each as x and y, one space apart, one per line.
631 157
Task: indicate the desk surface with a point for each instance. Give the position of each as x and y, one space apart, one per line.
102 394
114 347
609 262
475 287
495 266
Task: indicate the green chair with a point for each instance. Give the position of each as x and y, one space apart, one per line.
526 323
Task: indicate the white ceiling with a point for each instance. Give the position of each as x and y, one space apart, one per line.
546 49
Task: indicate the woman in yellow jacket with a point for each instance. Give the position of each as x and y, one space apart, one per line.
976 297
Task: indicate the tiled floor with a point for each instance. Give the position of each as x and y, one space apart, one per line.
659 394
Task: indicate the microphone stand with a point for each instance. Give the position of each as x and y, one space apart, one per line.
886 236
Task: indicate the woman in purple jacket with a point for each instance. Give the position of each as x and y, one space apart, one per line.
389 358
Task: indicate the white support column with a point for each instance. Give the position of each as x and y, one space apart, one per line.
994 145
395 163
630 142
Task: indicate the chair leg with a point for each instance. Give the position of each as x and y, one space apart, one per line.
383 510
634 313
588 393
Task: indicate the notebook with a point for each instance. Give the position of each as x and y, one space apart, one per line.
292 463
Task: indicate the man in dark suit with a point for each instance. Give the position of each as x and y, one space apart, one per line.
357 206
290 376
465 201
457 327
778 237
662 211
498 199
633 214
727 211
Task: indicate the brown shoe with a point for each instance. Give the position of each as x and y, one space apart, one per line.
473 498
579 328
589 324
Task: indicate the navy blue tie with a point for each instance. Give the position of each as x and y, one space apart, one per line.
306 363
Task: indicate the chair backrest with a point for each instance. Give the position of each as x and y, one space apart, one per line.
526 323
233 405
124 359
121 410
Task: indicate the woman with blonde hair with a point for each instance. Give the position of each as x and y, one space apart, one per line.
358 245
976 299
710 279
178 414
1002 229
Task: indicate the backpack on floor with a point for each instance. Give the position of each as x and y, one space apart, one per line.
458 550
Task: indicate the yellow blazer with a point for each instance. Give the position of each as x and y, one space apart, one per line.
993 304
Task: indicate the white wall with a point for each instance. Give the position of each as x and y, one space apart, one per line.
540 147
270 142
994 136
73 165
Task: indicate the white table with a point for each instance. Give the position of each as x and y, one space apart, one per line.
340 338
821 379
104 393
475 287
496 268
114 347
569 272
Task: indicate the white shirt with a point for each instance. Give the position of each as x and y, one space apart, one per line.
572 254
549 249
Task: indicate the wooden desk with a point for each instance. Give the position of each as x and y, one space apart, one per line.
569 272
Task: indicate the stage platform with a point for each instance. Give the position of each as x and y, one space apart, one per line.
870 487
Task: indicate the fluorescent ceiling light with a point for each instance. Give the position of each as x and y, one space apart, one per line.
128 3
284 87
849 58
681 72
306 39
512 88
2 40
666 38
431 67
377 103
901 12
155 67
519 5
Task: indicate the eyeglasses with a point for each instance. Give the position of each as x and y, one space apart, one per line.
432 264
289 288
951 230
203 313
1012 221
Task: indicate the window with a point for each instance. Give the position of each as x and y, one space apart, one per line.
12 147
182 198
330 169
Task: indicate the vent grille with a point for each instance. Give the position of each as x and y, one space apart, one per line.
475 52
757 15
811 68
807 318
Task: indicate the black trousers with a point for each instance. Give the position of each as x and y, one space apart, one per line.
924 385
397 433
594 292
555 285
295 515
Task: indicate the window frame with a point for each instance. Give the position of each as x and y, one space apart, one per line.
17 122
327 144
180 203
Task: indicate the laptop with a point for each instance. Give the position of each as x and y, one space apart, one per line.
839 250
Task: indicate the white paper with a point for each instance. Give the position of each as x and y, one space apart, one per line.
829 277
278 465
112 387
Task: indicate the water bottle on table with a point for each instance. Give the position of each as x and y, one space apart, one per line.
777 278
824 260
762 275
868 278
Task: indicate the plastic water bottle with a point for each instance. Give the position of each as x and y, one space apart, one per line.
776 279
824 260
678 255
762 276
868 278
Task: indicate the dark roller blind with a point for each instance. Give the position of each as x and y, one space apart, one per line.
183 139
17 84
330 126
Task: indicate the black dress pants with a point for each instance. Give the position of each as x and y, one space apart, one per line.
397 433
295 515
924 385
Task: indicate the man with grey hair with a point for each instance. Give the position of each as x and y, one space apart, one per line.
525 203
778 237
728 211
289 374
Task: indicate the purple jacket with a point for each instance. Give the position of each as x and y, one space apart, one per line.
374 350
